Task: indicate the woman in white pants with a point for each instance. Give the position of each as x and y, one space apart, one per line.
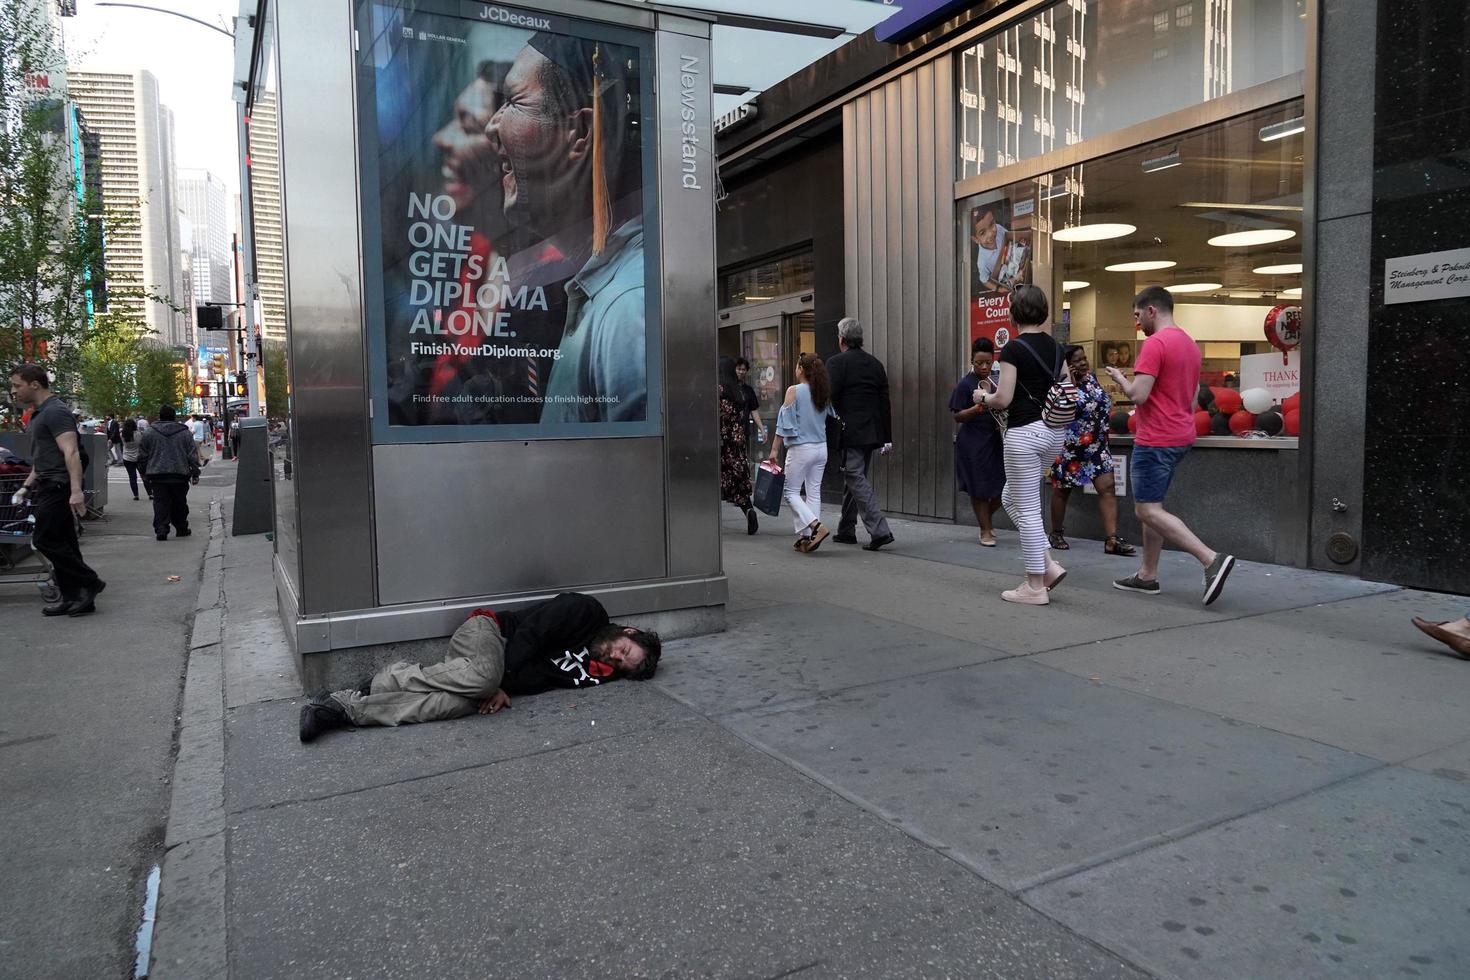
801 427
1029 364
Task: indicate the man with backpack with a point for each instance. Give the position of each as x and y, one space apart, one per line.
169 460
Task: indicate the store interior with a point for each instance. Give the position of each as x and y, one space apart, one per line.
1213 215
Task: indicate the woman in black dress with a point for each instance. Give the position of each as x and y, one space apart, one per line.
734 470
978 461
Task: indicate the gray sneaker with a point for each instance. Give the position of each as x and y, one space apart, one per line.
1135 584
1216 575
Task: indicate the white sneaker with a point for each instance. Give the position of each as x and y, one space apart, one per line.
1027 595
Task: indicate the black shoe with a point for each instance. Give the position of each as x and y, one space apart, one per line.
162 537
752 523
321 714
841 538
58 608
877 543
87 603
1216 575
135 497
183 534
365 686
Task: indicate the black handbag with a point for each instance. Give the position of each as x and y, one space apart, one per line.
770 484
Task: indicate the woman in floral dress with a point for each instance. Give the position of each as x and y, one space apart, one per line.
734 470
1085 459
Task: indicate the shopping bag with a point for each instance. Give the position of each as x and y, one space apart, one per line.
770 484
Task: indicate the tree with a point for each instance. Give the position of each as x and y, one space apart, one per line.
49 250
107 367
163 377
277 379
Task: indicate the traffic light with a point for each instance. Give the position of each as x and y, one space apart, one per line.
201 389
217 365
239 389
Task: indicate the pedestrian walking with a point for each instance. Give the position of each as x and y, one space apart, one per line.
1086 459
1029 365
131 440
114 441
170 463
54 489
1454 634
734 463
801 427
203 440
860 396
753 422
1164 386
979 464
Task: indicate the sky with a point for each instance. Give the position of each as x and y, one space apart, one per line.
194 67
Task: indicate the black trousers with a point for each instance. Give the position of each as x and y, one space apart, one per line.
170 504
132 467
56 538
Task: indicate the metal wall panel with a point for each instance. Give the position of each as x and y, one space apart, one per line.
898 145
489 518
324 305
687 234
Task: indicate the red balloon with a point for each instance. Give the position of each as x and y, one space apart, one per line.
1132 422
1293 420
1292 403
1227 400
1242 421
1201 423
1284 329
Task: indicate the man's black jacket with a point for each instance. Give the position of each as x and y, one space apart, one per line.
546 644
860 395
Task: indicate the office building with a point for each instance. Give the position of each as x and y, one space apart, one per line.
135 138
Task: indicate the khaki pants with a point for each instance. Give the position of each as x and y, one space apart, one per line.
406 694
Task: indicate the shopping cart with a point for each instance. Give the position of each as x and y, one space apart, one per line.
20 563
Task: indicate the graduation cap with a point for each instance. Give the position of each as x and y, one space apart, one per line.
593 69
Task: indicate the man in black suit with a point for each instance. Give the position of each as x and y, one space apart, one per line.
860 395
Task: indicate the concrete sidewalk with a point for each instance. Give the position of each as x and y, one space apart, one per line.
879 770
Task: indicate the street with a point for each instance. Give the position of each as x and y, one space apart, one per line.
879 771
87 740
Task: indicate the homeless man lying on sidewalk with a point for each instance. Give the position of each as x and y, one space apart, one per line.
562 642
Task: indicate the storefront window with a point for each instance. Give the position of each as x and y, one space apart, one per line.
1084 68
1214 215
777 277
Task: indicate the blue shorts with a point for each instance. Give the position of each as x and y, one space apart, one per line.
1153 470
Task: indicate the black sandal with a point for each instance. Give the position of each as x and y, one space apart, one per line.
1117 546
1058 542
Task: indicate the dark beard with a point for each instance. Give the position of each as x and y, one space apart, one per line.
597 646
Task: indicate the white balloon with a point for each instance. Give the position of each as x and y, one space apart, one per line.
1256 400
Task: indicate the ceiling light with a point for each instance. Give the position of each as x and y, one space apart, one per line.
1290 269
1258 236
1152 265
1193 287
1281 130
1071 284
1164 162
1221 206
1093 233
1294 293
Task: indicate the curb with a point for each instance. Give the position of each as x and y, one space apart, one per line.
189 935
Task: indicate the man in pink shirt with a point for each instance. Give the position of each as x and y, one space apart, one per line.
1165 380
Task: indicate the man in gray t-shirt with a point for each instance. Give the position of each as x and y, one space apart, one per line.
54 489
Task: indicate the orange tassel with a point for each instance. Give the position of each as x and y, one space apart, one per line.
601 205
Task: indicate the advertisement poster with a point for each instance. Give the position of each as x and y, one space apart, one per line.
506 151
999 260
